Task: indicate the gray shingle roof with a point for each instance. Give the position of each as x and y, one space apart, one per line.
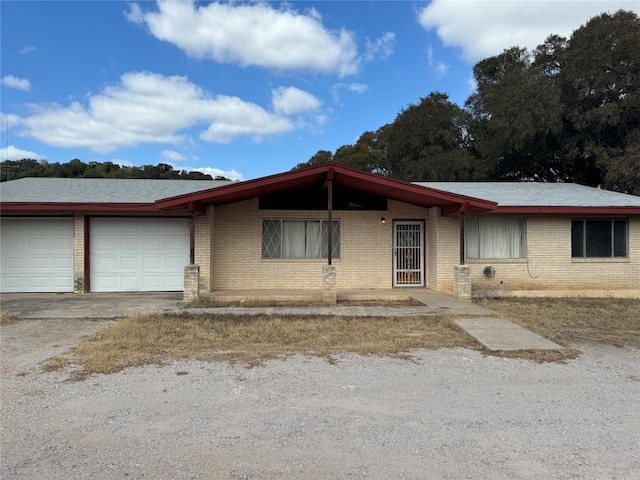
99 190
107 190
512 194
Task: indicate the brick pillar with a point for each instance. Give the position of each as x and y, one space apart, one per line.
329 290
462 282
191 283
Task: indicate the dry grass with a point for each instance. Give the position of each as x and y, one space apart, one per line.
6 318
602 320
248 339
55 363
154 339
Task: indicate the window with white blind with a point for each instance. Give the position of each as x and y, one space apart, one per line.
495 238
299 238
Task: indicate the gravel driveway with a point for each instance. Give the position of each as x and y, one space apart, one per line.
450 414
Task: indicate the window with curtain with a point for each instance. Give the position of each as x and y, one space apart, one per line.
495 238
299 238
599 238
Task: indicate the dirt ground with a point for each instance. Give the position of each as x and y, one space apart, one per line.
449 414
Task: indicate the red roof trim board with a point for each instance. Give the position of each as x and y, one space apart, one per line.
571 210
347 177
59 207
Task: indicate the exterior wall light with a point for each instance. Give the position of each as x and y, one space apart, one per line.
383 221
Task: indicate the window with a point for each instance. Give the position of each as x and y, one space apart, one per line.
598 238
495 238
299 239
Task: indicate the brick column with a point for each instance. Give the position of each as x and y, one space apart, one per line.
462 282
191 283
329 290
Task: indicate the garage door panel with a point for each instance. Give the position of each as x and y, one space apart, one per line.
41 244
154 228
174 282
38 263
61 263
61 282
129 282
152 263
174 244
37 254
140 248
128 263
174 262
152 282
12 284
11 244
132 244
8 263
152 244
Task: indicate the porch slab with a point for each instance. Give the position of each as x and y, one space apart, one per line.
433 303
498 334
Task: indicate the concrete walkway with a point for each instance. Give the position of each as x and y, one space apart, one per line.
493 333
498 334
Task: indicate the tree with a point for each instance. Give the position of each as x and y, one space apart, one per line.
568 111
601 96
12 170
367 154
320 157
517 114
430 141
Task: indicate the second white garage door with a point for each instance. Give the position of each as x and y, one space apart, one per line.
138 254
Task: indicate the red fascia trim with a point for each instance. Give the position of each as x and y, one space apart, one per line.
572 210
24 206
235 192
349 177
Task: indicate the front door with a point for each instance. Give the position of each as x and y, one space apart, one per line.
408 254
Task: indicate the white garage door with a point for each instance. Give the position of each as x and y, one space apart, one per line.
36 255
138 254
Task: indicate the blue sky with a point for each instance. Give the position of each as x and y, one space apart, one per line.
242 89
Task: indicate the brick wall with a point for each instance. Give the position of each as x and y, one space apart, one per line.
366 249
443 250
550 270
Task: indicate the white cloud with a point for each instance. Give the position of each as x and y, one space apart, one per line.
17 83
291 101
26 49
149 108
122 163
172 156
440 69
235 118
134 15
216 172
351 87
14 153
252 34
382 47
8 120
482 28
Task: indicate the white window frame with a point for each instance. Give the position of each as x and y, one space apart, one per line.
495 238
274 245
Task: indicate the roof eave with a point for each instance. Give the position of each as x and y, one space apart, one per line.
351 178
74 207
582 210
